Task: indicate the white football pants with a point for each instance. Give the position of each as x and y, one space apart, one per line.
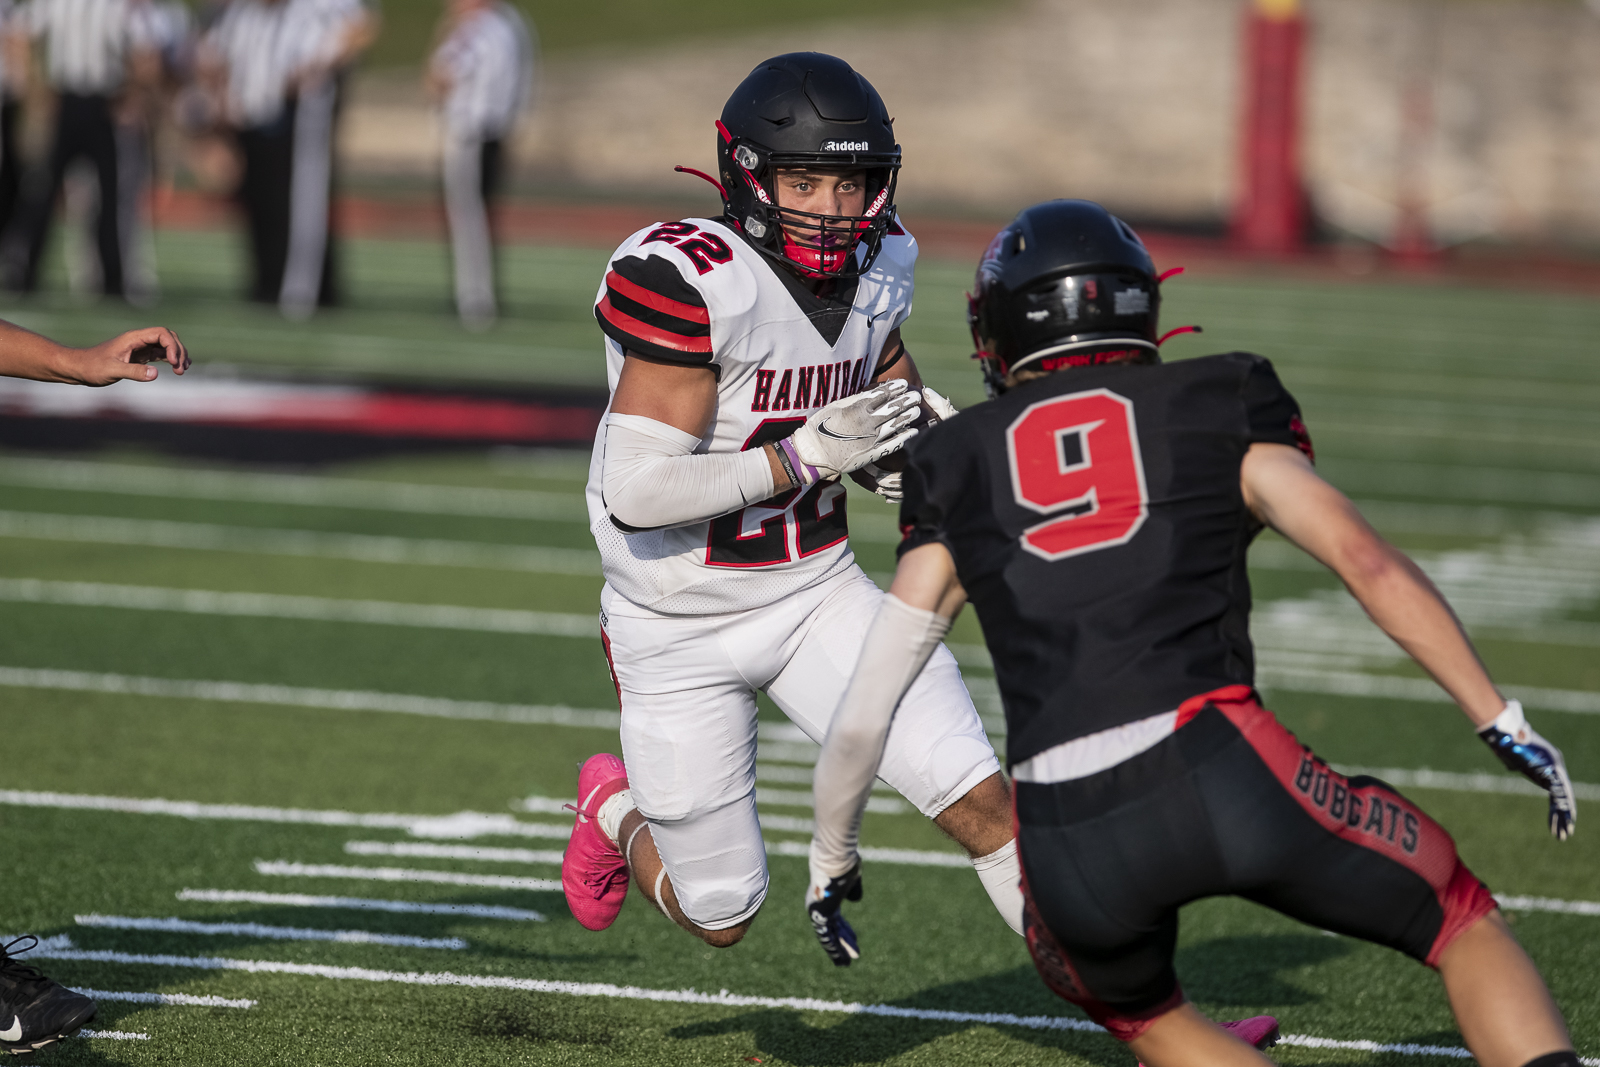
688 686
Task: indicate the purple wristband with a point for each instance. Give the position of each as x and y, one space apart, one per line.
804 473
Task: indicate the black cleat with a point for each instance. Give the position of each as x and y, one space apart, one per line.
35 1011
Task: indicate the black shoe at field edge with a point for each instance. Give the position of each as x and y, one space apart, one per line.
35 1011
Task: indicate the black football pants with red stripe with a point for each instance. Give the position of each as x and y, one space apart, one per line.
1231 803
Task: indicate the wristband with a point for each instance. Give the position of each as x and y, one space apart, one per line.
799 471
783 461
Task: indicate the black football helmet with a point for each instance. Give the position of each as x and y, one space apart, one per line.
807 109
1066 284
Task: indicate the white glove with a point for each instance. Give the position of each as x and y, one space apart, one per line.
852 432
943 410
885 483
1521 749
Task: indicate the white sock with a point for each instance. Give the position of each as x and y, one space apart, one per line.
1001 874
611 813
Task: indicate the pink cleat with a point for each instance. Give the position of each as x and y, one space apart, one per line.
1259 1031
594 875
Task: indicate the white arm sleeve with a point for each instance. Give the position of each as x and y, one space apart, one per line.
895 650
651 477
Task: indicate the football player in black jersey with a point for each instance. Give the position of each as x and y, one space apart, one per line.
1097 513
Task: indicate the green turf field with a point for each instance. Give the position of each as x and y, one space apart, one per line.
248 696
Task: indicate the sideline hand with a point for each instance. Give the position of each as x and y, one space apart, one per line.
1521 749
823 904
127 356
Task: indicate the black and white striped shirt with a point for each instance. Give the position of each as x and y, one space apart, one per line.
488 59
265 44
87 41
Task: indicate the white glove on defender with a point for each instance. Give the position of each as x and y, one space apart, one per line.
852 432
1521 749
943 410
886 483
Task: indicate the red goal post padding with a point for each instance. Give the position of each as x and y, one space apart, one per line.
1270 212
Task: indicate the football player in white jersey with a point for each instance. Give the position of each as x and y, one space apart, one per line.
754 359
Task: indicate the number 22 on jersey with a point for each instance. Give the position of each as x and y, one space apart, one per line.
1076 459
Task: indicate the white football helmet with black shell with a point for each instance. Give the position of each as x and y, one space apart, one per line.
807 109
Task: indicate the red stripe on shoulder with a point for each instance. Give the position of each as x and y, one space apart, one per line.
654 334
655 301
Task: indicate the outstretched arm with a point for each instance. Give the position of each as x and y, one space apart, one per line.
1283 490
25 354
913 619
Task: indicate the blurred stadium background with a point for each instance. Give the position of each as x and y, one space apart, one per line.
313 627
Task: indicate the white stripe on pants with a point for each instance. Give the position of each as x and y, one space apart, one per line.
308 199
470 244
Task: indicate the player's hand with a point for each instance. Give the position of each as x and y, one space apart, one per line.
854 431
1521 749
127 356
885 483
939 407
823 903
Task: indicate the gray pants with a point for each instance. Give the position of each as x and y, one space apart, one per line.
310 184
471 172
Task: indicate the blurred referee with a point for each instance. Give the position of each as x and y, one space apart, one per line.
13 86
276 65
482 73
99 56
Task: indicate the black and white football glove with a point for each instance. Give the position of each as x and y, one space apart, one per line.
1521 749
852 432
886 483
823 904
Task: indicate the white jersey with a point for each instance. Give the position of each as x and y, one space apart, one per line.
696 292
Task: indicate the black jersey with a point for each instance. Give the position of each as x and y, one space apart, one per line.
1097 523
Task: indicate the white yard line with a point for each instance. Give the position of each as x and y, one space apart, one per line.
364 548
911 857
301 489
795 798
1560 907
1476 782
288 869
774 772
277 933
908 856
404 907
171 999
461 825
296 696
279 606
1392 687
113 1035
427 850
781 742
676 996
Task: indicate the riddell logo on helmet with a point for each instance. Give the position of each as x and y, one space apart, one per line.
844 146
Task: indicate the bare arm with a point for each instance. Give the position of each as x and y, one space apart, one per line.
1284 491
926 579
25 354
